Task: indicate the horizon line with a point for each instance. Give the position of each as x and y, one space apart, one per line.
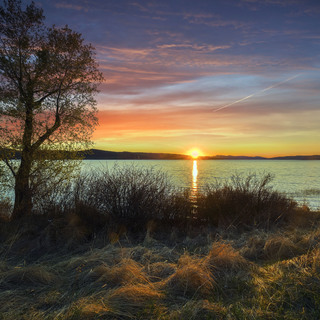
216 155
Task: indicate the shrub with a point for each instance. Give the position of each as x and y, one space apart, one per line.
132 196
243 201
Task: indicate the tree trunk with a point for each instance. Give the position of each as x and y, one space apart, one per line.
23 193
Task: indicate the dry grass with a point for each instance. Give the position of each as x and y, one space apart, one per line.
126 272
198 309
223 257
291 288
192 278
253 246
83 270
160 270
87 309
3 267
163 282
35 275
132 299
278 247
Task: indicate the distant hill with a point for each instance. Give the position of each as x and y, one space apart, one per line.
222 157
96 154
315 157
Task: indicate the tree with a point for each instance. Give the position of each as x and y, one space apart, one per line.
48 78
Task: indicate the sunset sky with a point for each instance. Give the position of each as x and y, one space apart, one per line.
232 77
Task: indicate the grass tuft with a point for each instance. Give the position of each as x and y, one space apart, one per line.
35 275
160 270
224 258
191 279
131 300
127 271
278 247
199 309
291 288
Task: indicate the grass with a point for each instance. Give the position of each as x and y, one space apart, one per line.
93 255
165 280
191 279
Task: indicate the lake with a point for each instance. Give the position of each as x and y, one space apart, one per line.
299 179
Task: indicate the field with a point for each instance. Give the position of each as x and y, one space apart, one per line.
134 249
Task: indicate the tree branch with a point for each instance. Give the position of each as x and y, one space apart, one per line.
39 101
51 130
6 161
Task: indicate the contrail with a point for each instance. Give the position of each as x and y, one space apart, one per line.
254 94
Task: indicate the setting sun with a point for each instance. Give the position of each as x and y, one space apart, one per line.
195 153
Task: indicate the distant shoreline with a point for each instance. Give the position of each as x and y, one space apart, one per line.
96 154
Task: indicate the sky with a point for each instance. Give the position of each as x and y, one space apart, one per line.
227 77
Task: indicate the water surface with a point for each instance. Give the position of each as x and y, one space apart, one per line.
299 179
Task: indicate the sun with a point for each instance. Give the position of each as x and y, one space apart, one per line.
195 153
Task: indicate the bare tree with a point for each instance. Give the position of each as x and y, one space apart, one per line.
48 78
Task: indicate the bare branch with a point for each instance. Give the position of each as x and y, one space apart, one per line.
6 161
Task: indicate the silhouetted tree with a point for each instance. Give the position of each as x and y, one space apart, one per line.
48 78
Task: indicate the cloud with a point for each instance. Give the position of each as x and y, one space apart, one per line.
281 3
237 120
173 131
195 47
132 69
64 5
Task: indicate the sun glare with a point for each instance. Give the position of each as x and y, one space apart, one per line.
194 153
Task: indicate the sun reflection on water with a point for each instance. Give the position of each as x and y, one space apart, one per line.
194 189
195 175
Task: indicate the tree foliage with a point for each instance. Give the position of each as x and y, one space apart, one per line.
48 78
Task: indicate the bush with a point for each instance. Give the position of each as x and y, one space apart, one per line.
127 196
243 201
132 196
